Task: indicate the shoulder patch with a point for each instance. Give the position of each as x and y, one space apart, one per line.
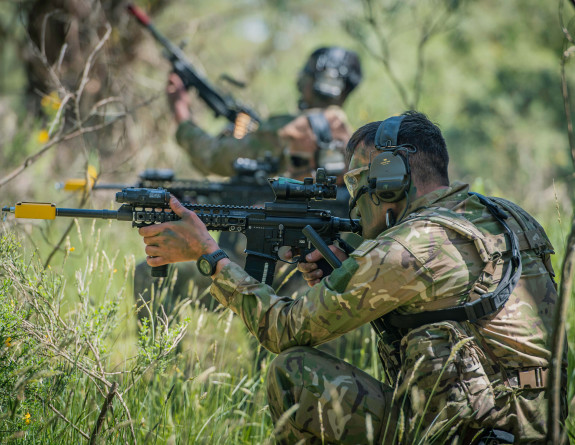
364 248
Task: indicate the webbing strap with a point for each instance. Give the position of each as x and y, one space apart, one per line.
488 303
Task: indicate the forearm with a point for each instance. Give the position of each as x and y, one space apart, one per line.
216 155
208 153
312 318
270 318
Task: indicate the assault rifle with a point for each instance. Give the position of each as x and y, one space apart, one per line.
243 118
248 186
268 231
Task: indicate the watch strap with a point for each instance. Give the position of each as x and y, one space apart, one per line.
213 259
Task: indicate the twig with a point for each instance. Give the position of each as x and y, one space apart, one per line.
88 67
409 97
554 435
33 158
82 433
129 417
103 411
556 365
78 130
83 201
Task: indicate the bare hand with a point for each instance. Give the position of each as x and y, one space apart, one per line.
175 241
309 269
178 98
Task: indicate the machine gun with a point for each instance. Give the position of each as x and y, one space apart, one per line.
248 186
243 118
268 230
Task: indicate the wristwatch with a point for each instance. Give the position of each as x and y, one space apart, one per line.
207 263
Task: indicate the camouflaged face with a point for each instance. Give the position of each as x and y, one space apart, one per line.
452 374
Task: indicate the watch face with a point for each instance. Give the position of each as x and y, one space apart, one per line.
204 266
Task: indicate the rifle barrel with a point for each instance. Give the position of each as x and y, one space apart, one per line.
87 213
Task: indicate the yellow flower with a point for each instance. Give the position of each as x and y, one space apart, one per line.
43 136
71 249
7 342
27 418
115 270
52 100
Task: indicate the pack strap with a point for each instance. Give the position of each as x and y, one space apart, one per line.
488 303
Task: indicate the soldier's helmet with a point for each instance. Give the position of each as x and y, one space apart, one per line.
335 71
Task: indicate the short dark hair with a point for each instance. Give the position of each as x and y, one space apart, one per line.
429 163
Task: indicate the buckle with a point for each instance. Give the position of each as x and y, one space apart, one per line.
480 308
533 378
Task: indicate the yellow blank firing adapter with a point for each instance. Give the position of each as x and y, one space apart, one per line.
73 185
35 210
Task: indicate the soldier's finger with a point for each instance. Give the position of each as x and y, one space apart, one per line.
152 230
181 211
152 250
311 281
155 261
151 240
312 276
175 80
313 256
306 267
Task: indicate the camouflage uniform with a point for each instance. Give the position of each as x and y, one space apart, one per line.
279 135
454 378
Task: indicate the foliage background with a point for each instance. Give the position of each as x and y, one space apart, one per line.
490 78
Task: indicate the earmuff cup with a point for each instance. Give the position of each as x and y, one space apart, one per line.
389 174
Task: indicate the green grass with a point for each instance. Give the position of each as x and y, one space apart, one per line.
70 330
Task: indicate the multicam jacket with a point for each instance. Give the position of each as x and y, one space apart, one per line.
281 136
485 374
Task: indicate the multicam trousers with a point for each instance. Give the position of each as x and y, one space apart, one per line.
315 398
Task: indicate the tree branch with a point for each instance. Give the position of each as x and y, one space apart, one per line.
103 411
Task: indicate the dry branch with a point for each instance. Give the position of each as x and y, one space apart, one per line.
103 411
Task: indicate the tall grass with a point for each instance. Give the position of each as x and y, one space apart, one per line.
68 343
71 340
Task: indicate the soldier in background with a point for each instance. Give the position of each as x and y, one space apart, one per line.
316 137
459 287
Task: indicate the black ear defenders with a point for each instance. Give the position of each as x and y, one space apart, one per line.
389 174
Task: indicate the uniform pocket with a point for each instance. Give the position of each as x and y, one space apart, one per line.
444 378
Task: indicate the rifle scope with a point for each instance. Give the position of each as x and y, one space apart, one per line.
286 189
